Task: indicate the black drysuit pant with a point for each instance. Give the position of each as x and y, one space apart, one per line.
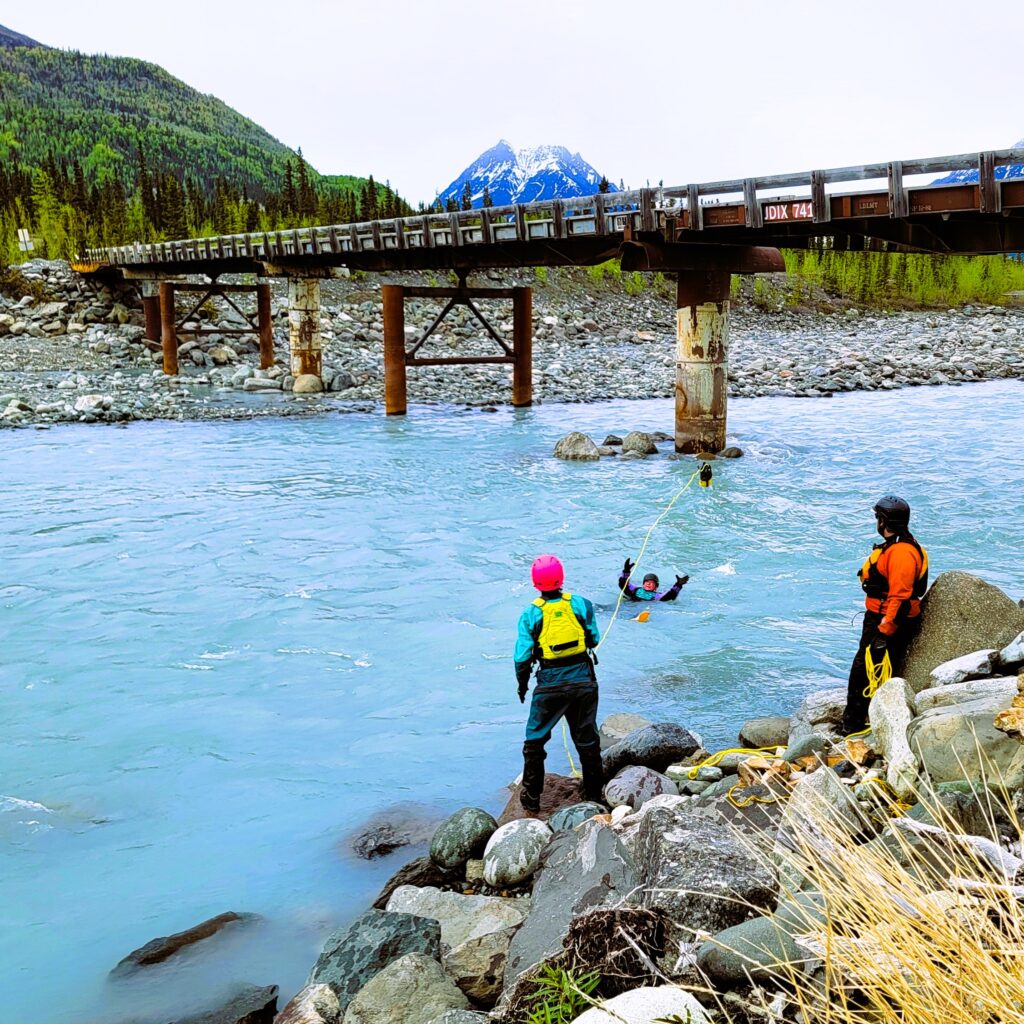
856 716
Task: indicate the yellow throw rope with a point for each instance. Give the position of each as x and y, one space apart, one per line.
622 593
877 674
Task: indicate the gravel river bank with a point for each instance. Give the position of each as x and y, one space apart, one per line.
73 351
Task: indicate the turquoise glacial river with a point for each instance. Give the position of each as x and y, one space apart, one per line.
226 645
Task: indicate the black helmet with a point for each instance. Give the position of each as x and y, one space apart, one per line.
651 578
895 511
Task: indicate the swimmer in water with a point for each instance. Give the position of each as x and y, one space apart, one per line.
648 590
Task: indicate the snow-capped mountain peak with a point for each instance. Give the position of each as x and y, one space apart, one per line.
524 175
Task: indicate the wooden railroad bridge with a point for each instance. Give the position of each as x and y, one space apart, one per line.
703 233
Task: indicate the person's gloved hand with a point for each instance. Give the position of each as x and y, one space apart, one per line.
627 567
682 580
522 693
523 671
879 645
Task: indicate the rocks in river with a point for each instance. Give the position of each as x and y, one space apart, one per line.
581 870
513 852
261 384
315 1004
411 990
731 452
619 725
352 956
248 1004
567 818
654 746
392 828
461 917
634 785
959 614
420 872
577 446
639 442
611 440
308 384
769 731
158 950
461 836
645 1004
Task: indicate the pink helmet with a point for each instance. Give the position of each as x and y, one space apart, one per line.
547 573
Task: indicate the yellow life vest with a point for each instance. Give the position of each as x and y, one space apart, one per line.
561 633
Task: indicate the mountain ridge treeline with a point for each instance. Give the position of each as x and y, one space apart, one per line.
98 150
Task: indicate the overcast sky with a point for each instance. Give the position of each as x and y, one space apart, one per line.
414 90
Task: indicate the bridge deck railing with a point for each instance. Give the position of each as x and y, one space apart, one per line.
610 213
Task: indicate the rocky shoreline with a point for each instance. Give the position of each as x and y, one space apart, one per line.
74 351
697 890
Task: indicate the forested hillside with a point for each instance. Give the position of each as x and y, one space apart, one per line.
99 150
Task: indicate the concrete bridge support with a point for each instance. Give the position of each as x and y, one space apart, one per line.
303 326
702 342
151 309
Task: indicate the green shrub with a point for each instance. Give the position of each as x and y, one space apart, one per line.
561 996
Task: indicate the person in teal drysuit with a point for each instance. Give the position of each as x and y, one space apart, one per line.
566 682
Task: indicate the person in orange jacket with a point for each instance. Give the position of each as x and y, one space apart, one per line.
894 578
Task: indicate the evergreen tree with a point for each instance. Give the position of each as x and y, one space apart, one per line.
291 198
467 197
603 186
487 200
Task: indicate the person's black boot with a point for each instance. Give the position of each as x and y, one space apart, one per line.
593 775
533 777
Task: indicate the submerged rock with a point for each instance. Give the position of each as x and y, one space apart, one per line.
157 950
639 442
577 446
250 1004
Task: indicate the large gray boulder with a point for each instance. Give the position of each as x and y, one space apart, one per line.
769 731
1003 688
477 966
352 956
577 446
640 442
762 950
654 746
461 837
959 614
960 742
698 872
461 917
513 852
412 990
645 1004
634 786
582 870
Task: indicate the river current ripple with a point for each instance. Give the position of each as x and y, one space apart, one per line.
225 645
